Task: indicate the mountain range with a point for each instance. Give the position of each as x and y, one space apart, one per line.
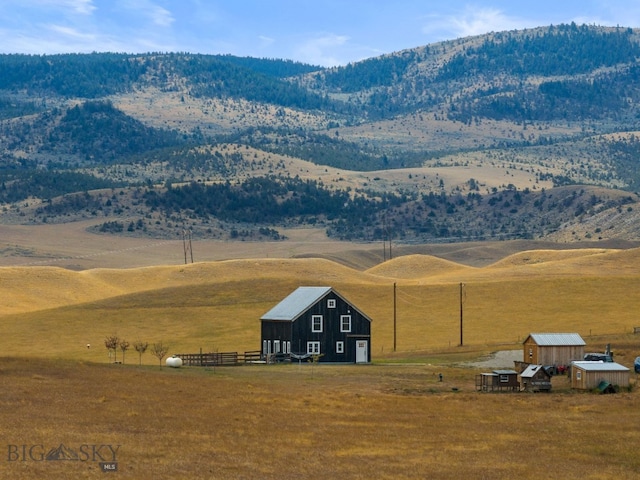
520 134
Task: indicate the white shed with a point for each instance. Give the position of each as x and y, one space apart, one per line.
587 375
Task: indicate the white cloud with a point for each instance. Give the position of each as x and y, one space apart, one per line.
82 7
472 21
614 12
158 15
266 41
321 50
483 20
71 33
53 39
161 16
85 7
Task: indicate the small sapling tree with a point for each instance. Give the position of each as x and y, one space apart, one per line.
140 347
112 344
159 351
124 346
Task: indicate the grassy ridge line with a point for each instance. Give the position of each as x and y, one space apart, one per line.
32 288
418 266
217 306
25 289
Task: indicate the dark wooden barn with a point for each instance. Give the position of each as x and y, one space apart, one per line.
316 321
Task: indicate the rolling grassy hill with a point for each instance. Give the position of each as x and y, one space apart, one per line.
54 312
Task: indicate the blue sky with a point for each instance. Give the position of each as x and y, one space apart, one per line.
321 32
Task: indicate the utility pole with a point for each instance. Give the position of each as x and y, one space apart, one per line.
461 314
384 250
186 244
386 235
394 316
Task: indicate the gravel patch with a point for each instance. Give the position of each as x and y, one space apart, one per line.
502 359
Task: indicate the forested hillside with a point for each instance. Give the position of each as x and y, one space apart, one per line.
509 134
567 72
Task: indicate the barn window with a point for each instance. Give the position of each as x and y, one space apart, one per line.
276 346
345 323
316 323
504 378
287 347
331 303
339 347
313 348
578 375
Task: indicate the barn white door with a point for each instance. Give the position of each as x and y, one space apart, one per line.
362 350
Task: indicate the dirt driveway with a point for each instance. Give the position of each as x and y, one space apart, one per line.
502 359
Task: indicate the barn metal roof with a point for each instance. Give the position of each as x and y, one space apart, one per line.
557 339
296 303
600 366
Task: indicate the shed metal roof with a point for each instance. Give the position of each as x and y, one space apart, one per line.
600 366
531 371
557 339
296 303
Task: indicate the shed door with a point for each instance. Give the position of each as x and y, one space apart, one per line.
362 349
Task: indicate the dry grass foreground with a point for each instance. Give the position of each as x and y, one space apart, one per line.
290 422
392 419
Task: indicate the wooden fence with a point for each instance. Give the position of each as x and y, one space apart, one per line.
214 359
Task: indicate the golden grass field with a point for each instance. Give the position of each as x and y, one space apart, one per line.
392 419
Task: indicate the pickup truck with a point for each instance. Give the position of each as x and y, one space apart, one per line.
599 357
